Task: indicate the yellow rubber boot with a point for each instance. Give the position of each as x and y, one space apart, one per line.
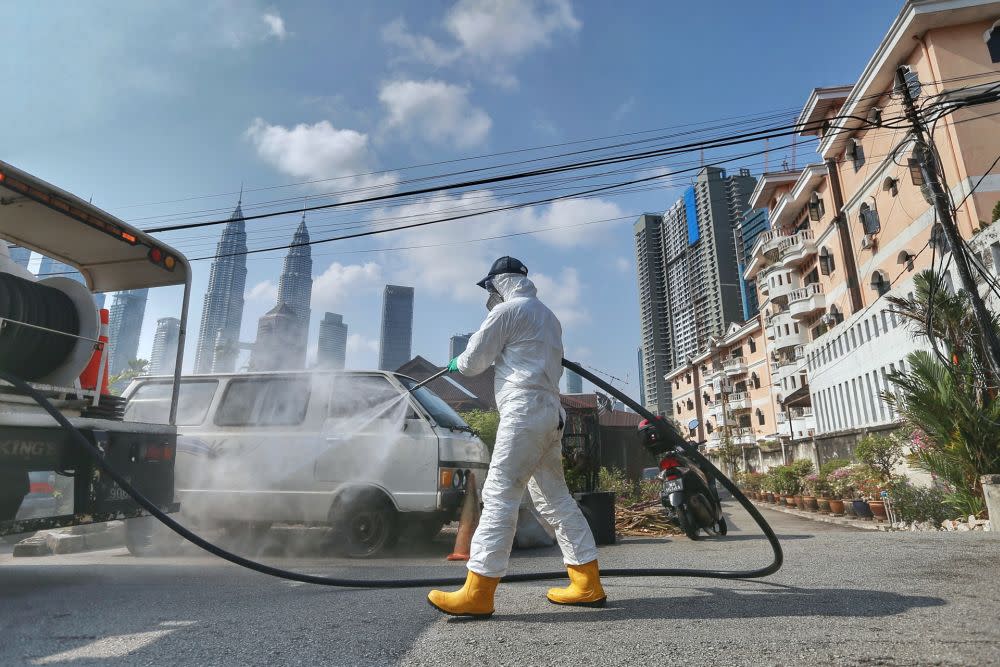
584 588
475 598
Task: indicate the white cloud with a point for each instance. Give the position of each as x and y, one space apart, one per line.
623 265
434 111
449 268
275 24
489 34
265 291
562 295
318 152
361 352
332 288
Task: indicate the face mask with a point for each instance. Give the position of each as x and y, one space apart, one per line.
494 299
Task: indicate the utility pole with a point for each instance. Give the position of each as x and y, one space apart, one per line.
928 167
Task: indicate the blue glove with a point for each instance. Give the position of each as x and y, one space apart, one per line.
453 365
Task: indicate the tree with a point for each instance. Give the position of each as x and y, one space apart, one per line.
880 452
730 454
485 424
136 367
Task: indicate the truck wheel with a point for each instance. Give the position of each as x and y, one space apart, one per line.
145 536
366 526
424 530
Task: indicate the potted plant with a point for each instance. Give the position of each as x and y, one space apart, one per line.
840 482
801 468
821 489
862 484
881 453
809 497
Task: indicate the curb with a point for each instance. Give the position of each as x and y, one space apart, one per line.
824 518
75 539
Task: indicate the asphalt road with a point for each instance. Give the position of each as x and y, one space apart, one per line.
844 597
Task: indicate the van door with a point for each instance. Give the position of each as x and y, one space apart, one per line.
374 436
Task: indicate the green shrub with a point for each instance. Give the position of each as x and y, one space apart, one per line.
881 452
614 480
916 503
833 464
485 424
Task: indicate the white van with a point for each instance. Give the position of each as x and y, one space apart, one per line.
349 449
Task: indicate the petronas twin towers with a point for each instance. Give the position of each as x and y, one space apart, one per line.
282 333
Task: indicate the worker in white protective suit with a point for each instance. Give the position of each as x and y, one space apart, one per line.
523 339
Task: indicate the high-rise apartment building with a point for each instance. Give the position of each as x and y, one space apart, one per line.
753 224
574 383
642 386
655 354
689 282
295 287
164 355
222 312
457 345
332 350
397 327
124 327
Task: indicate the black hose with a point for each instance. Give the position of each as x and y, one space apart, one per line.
164 518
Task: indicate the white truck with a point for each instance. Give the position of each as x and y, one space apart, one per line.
50 336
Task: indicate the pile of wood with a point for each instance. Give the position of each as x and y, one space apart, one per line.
644 519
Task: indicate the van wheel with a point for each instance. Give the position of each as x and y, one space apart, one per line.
366 526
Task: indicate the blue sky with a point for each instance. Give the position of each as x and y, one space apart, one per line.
138 103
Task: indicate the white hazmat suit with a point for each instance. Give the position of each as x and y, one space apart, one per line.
523 339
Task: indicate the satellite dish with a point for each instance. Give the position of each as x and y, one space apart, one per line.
693 424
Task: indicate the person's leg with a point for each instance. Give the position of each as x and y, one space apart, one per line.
552 499
515 456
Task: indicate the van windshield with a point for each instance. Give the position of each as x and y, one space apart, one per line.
441 412
150 403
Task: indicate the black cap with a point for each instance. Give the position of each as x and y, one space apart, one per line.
504 265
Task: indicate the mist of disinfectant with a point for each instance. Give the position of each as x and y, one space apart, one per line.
282 448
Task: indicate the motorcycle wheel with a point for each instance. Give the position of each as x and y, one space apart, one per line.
721 525
689 527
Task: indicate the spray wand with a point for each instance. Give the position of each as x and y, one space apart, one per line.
429 380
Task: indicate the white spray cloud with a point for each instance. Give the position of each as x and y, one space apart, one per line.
434 111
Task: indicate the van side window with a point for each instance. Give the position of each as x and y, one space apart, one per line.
354 395
150 402
264 402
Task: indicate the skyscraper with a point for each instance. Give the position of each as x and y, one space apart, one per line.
222 312
295 288
332 351
397 327
642 387
687 264
457 345
278 337
168 331
753 224
124 327
654 318
574 383
49 267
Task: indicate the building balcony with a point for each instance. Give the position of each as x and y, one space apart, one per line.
766 250
786 332
807 301
721 384
742 436
781 283
739 400
735 367
715 411
797 248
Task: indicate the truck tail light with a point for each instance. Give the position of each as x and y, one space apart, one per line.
163 452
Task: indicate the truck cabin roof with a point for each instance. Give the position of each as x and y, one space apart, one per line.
111 254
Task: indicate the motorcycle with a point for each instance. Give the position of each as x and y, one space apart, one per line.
688 494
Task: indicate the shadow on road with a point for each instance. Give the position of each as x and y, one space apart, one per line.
725 603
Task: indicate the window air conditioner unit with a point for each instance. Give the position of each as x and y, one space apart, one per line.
867 241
